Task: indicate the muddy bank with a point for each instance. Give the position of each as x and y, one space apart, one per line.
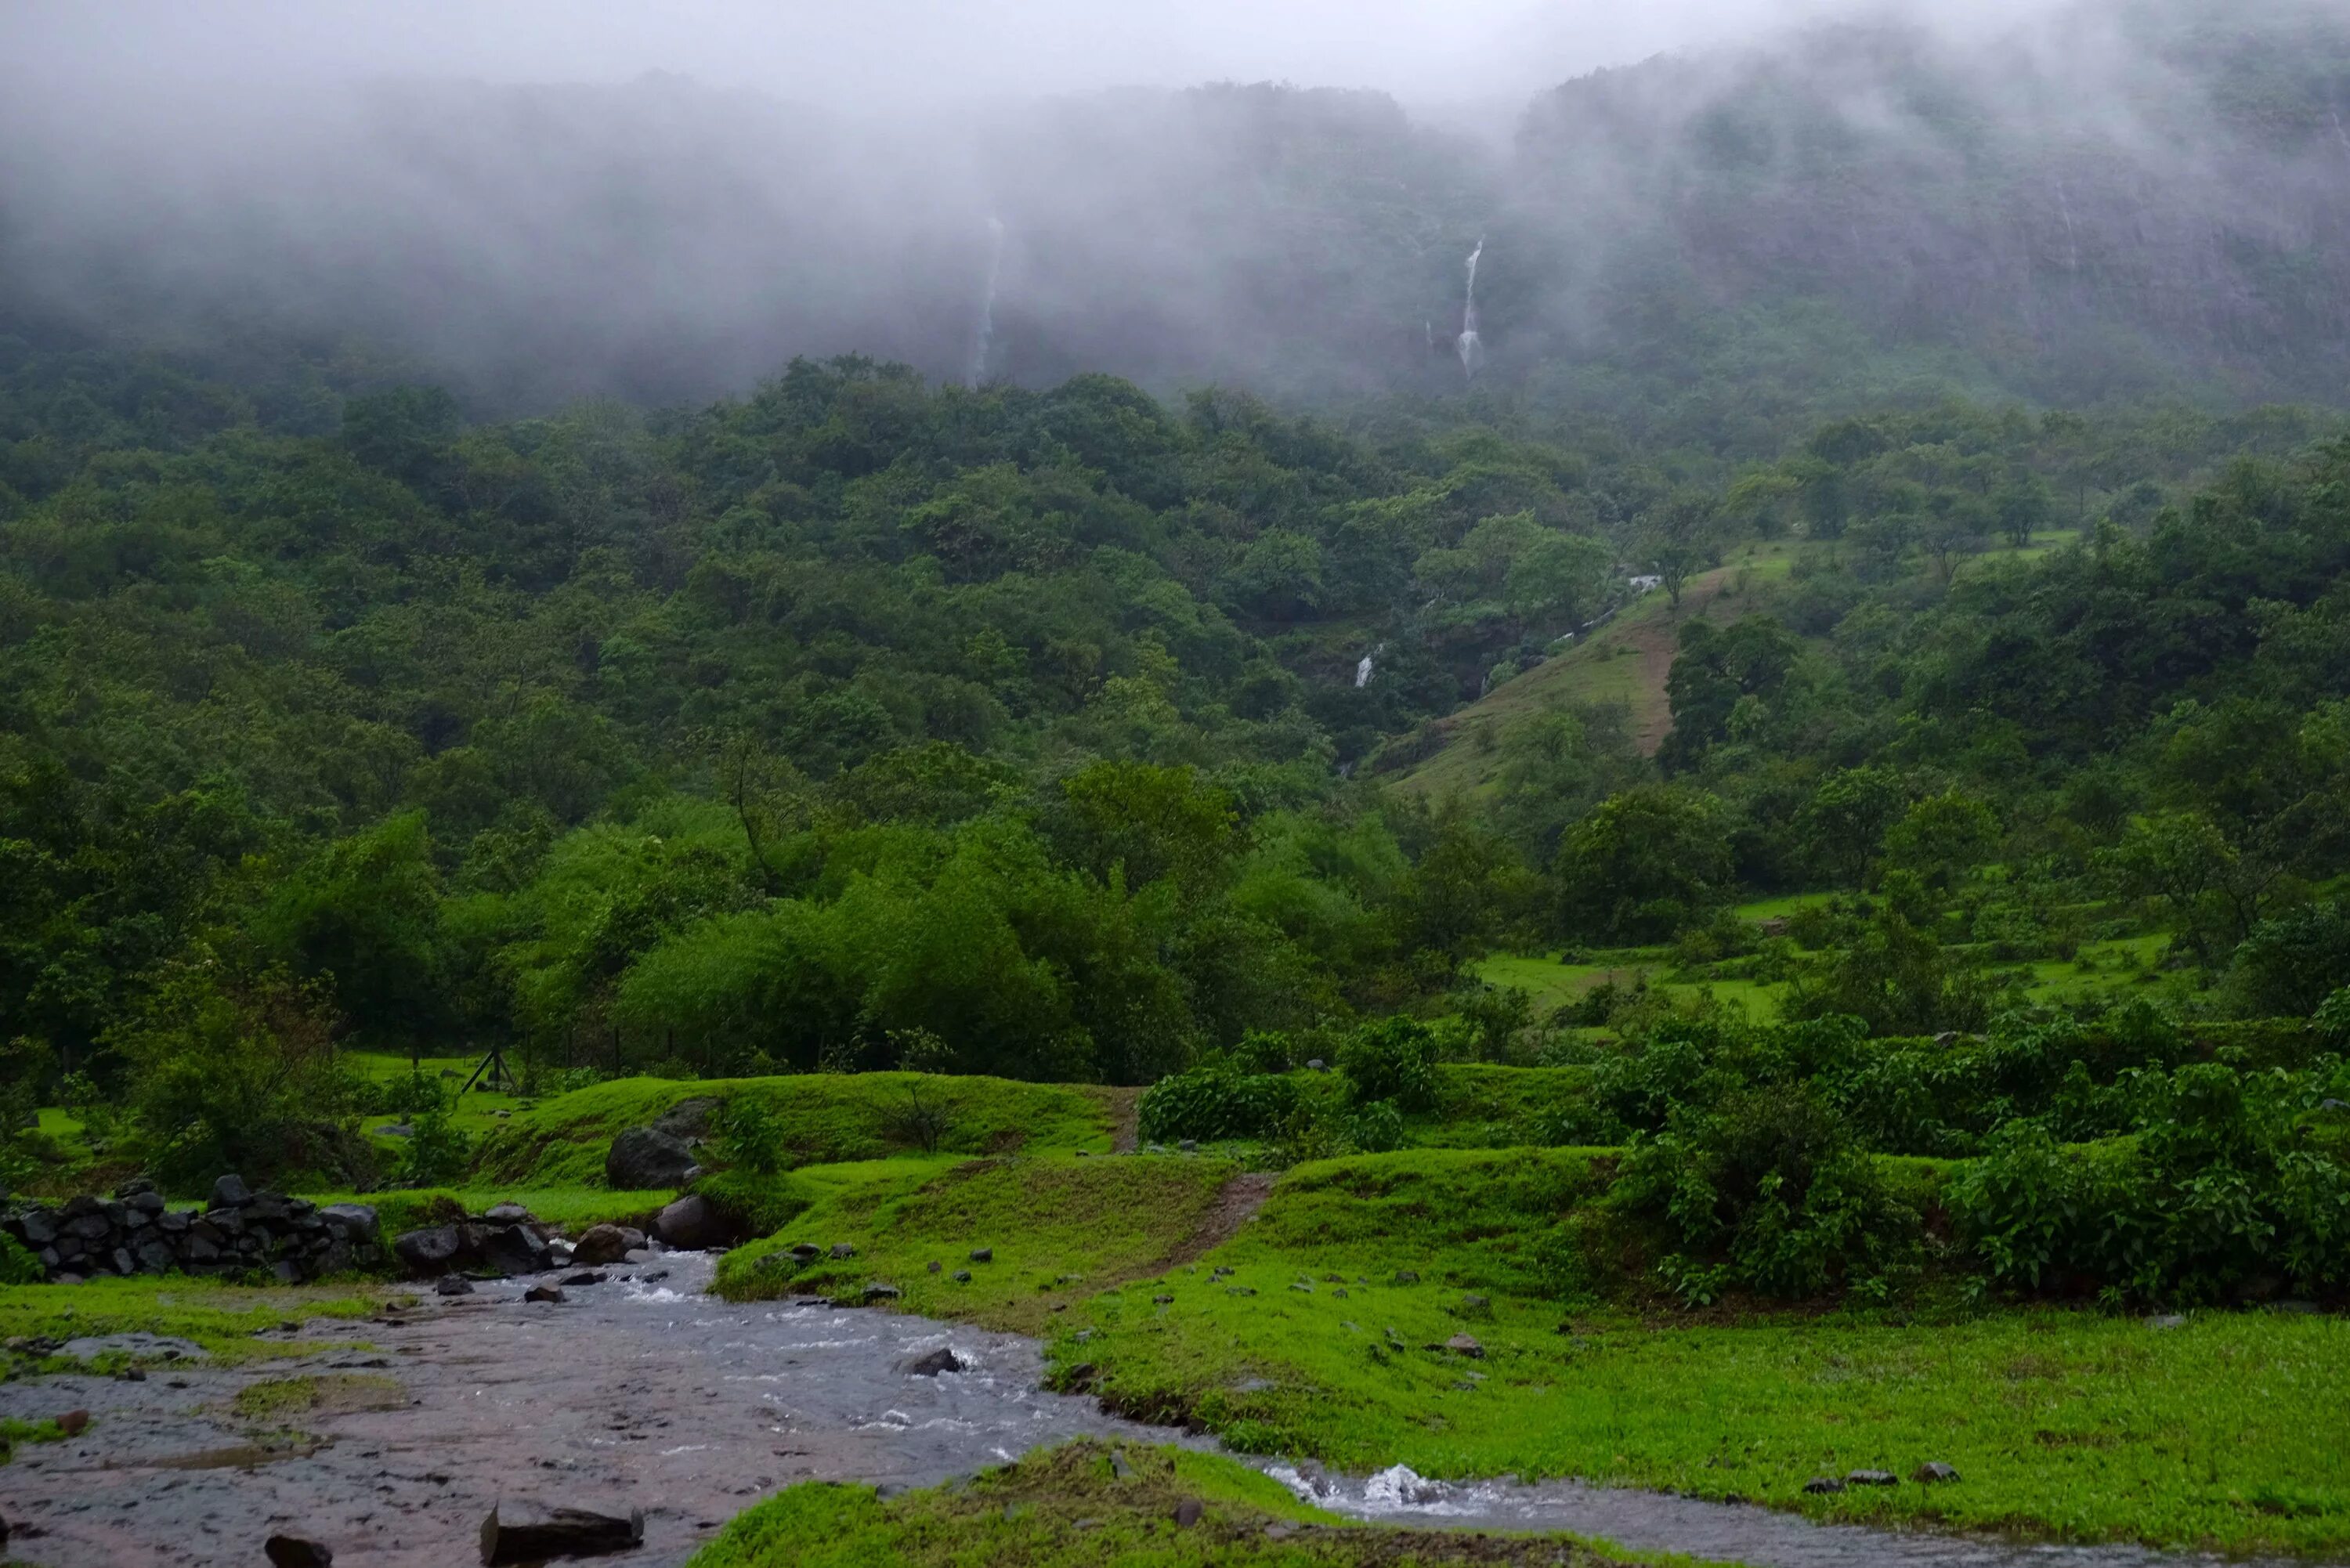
642 1393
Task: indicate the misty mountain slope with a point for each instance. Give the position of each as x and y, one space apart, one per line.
1720 247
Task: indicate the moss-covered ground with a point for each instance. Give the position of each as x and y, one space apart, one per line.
233 1322
1058 1227
820 1119
1071 1505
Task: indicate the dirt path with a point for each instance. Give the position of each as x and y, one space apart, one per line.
1236 1205
1656 642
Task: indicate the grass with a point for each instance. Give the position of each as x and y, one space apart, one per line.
1070 1506
14 1431
222 1318
325 1394
572 1208
823 1118
1060 1227
2227 1433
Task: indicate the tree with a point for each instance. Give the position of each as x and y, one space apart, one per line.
1845 822
1676 538
1942 838
363 917
1642 864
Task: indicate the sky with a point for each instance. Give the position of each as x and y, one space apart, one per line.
880 53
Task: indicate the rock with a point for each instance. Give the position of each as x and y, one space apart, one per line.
561 1532
1871 1478
355 1221
1406 1277
2168 1319
1162 1301
1188 1512
588 1277
1118 1466
1933 1472
509 1250
931 1364
149 1202
40 1227
960 1276
229 1192
1475 1306
1465 1345
600 1244
645 1157
454 1285
135 1342
1188 1145
983 1254
133 1188
292 1552
637 1255
687 1119
842 1251
934 1266
875 1291
806 1253
509 1213
395 1129
690 1223
1821 1486
429 1250
74 1423
1316 1066
550 1293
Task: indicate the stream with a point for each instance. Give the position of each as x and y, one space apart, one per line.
644 1392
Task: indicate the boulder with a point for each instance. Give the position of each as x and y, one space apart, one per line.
356 1222
645 1157
690 1222
931 1364
429 1251
294 1551
1933 1472
230 1192
551 1294
509 1214
509 1249
1464 1345
454 1285
983 1254
875 1291
687 1119
600 1244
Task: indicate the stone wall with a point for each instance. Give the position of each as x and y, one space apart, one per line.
136 1233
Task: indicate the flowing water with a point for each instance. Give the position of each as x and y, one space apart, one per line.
982 338
643 1392
1471 347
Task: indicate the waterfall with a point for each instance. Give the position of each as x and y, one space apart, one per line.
1363 673
1472 350
982 339
2072 235
2340 135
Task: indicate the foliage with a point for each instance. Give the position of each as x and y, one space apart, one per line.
1216 1100
435 1152
1393 1062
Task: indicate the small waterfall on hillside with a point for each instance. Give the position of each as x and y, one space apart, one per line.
1363 673
982 338
1472 349
2072 235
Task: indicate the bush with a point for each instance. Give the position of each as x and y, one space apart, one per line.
436 1153
18 1266
1768 1193
1394 1059
2214 1192
413 1096
1376 1128
1217 1101
748 1138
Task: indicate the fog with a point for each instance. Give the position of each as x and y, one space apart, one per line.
536 200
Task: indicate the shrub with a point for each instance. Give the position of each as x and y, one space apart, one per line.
1216 1101
1377 1127
412 1096
18 1266
1394 1059
436 1152
1767 1193
748 1138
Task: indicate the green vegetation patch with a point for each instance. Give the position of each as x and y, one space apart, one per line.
222 1318
325 1394
1071 1505
1307 1335
818 1117
1057 1227
573 1208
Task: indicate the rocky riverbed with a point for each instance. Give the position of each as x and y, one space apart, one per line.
642 1393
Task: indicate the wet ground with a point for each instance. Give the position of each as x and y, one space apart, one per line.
642 1393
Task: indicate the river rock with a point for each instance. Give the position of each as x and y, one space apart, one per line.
509 1213
687 1119
454 1285
294 1551
875 1291
508 1249
550 1293
1821 1486
599 1244
1871 1478
690 1222
429 1250
355 1221
644 1158
931 1362
560 1533
1934 1473
586 1277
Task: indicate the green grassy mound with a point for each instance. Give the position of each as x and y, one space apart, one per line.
1068 1506
223 1318
572 1208
820 1119
1060 1227
2225 1432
